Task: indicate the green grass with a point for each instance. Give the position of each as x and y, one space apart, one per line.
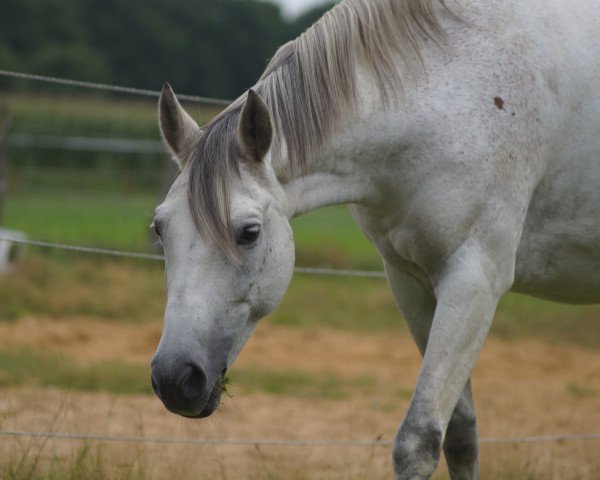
522 316
330 237
357 304
326 237
63 285
24 367
100 219
327 385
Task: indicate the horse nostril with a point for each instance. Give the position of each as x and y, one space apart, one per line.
193 382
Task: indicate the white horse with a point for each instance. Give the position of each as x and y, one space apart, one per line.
465 137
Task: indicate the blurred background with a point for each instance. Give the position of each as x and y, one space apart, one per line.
204 47
86 167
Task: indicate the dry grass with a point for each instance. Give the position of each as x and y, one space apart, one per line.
336 362
67 286
522 388
64 286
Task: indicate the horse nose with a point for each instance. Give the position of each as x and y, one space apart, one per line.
193 382
181 385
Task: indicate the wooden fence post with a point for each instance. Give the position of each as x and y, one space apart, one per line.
5 121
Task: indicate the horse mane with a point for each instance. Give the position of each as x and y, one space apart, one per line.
310 87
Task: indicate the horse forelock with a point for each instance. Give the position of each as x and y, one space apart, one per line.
310 87
213 165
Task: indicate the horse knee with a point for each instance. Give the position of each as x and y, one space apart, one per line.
417 451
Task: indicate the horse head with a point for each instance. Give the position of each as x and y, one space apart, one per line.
228 248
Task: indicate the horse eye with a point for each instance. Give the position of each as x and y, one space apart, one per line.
249 234
156 228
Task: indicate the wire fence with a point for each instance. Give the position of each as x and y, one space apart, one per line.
142 146
123 146
150 256
284 443
111 88
87 144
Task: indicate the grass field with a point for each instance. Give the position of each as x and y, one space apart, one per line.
60 283
90 114
117 220
334 361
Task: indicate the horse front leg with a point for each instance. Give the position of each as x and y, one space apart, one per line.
467 292
460 446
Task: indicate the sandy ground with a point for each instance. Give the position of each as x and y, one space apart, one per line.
521 388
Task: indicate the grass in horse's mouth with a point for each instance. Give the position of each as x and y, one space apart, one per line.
220 386
223 382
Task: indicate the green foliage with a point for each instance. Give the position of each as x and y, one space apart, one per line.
213 48
71 61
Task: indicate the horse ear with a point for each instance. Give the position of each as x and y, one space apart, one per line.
179 131
255 129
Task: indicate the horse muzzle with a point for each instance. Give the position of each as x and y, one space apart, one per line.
185 387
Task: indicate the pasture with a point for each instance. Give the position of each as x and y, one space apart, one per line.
334 362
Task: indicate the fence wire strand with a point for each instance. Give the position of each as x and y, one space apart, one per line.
111 88
82 249
87 144
149 256
284 443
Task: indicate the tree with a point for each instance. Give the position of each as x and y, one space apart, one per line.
207 47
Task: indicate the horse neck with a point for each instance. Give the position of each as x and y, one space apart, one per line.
342 170
337 165
330 181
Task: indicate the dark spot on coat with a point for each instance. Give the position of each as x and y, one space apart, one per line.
499 103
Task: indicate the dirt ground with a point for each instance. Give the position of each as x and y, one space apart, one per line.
522 388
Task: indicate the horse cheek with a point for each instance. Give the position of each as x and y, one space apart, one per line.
276 270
